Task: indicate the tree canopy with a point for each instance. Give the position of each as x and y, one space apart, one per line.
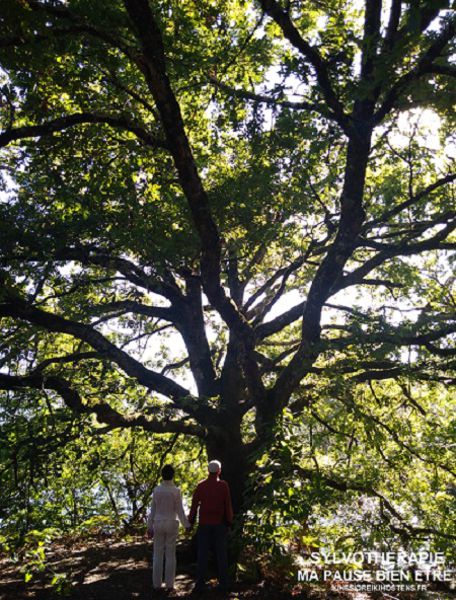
234 221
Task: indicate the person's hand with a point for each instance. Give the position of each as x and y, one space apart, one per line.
150 533
188 529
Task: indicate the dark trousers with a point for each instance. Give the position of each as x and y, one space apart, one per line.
212 536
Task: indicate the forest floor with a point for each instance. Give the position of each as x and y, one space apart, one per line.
121 570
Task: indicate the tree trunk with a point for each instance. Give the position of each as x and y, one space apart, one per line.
228 448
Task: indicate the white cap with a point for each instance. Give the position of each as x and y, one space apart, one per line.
214 466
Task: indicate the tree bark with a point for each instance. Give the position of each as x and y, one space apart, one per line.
227 447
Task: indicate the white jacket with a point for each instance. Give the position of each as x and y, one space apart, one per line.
166 504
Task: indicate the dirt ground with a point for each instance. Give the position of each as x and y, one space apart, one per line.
121 570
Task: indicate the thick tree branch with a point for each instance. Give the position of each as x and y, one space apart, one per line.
69 358
448 70
267 329
103 411
267 285
371 37
444 352
134 273
424 64
389 251
273 295
154 70
392 212
190 324
62 123
155 312
12 305
282 18
187 317
81 25
393 24
331 268
397 337
263 99
185 312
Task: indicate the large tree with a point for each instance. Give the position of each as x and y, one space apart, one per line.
210 208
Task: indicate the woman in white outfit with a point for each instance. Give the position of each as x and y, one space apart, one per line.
163 525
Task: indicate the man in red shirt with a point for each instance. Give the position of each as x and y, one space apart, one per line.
212 497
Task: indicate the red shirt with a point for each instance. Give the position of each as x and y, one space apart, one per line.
213 498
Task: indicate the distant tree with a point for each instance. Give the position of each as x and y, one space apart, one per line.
212 208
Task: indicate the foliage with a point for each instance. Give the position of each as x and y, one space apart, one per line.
228 228
328 481
89 484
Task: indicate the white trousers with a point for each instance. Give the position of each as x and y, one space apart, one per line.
165 535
